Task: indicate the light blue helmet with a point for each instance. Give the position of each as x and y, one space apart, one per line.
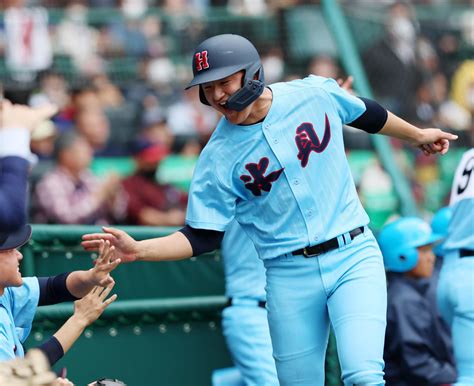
400 239
439 225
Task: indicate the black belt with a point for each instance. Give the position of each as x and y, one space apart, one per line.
466 252
327 246
258 303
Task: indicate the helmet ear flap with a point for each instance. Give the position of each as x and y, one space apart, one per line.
407 259
202 97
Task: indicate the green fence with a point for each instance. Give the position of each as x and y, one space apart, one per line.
165 327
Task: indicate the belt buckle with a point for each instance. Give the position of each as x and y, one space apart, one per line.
306 254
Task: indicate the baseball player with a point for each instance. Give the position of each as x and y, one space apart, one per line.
456 284
276 164
19 298
416 351
244 320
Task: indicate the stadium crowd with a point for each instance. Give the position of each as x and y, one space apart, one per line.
120 85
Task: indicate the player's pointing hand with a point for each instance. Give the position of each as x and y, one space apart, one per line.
434 141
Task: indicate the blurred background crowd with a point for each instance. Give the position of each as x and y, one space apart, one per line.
123 147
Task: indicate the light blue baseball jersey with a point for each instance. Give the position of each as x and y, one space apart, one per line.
286 180
17 310
461 225
244 271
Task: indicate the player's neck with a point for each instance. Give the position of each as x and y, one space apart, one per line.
260 107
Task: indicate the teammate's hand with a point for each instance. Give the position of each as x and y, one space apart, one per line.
125 245
22 116
62 382
105 263
434 141
88 309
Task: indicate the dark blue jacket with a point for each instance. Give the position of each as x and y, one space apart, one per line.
13 192
417 349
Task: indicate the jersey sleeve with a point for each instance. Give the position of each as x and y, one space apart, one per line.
24 303
348 106
211 203
6 344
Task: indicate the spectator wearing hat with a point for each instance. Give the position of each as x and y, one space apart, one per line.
19 297
71 194
42 139
149 202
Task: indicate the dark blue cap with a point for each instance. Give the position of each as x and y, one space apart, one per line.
12 240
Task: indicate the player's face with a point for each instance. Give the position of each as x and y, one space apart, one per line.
10 275
426 260
219 91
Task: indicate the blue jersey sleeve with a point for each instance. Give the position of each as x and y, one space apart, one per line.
211 203
24 303
348 106
17 310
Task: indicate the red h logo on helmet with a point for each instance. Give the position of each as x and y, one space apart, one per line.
201 60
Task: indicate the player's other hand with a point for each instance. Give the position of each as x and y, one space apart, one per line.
88 309
434 141
346 84
125 245
15 115
105 263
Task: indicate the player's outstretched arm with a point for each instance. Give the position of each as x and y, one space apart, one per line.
80 283
173 247
86 311
430 141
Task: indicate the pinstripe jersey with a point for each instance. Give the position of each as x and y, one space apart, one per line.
244 272
286 179
461 225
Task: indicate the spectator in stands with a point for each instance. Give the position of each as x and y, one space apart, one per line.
273 65
16 122
324 65
53 89
74 37
28 45
391 63
415 352
85 98
108 93
148 202
156 130
71 194
94 126
126 32
190 117
43 137
19 298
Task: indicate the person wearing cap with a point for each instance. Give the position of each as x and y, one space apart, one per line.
16 123
148 201
415 351
19 297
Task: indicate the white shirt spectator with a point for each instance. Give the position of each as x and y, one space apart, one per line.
28 46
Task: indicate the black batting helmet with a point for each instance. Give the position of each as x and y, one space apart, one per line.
223 55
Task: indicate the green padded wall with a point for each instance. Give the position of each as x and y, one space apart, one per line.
178 344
